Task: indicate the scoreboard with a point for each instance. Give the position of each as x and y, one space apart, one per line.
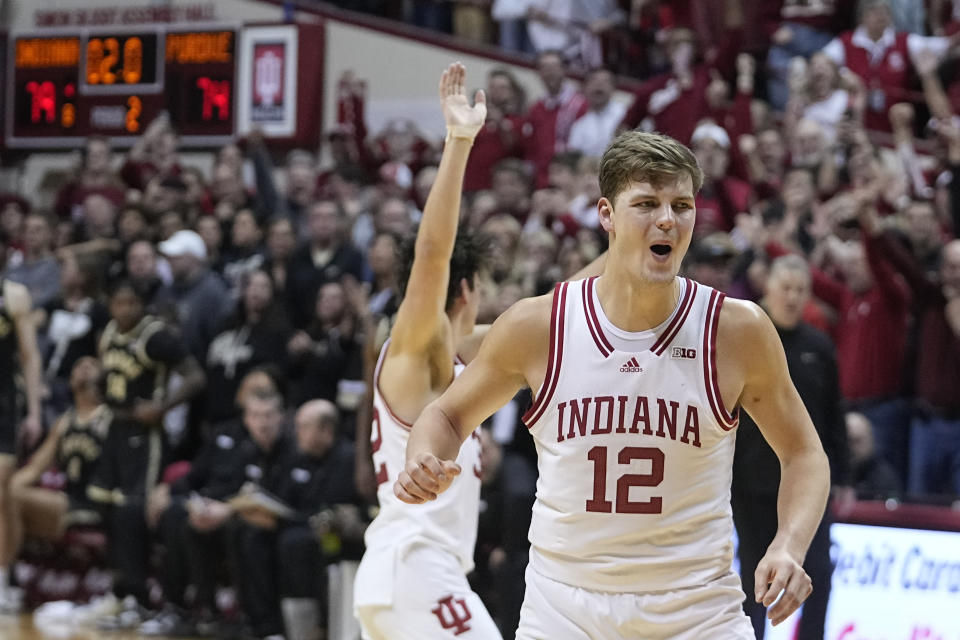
62 87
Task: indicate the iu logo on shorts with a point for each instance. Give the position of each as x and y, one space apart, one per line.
453 614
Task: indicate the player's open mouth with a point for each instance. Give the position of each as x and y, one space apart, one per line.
661 251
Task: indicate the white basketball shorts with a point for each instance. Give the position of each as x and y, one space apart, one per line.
553 610
418 593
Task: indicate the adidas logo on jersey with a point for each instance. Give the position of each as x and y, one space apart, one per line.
631 366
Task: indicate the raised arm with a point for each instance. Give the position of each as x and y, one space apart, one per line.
513 353
421 313
749 343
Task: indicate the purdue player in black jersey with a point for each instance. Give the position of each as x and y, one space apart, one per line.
138 353
73 449
18 356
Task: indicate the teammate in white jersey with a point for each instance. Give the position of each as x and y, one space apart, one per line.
411 584
641 375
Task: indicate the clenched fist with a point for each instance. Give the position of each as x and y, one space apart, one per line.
424 478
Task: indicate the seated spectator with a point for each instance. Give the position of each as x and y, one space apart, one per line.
194 515
284 560
873 477
72 452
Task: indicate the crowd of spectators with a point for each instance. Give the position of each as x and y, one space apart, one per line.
822 132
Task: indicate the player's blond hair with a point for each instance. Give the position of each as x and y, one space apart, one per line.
646 157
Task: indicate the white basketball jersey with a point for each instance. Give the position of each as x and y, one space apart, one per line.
635 449
450 521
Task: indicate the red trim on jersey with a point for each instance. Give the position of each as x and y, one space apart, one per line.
593 322
383 398
690 292
557 321
722 416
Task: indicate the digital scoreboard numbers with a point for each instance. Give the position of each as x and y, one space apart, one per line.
66 87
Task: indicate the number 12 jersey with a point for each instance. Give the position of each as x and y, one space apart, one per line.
635 448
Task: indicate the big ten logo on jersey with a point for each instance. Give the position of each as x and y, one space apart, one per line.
683 353
453 614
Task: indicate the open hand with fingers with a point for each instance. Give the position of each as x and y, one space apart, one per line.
778 572
424 478
463 120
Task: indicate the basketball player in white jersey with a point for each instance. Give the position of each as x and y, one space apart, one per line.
411 583
640 378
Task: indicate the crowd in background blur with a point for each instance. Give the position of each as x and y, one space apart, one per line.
826 129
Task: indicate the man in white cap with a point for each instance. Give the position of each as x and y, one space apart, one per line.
197 296
722 196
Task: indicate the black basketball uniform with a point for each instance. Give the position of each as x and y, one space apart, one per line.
10 405
77 457
136 367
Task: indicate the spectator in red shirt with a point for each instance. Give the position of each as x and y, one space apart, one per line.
500 136
511 187
674 102
548 123
94 177
883 59
873 308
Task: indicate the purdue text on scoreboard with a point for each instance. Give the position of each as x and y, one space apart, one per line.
66 86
